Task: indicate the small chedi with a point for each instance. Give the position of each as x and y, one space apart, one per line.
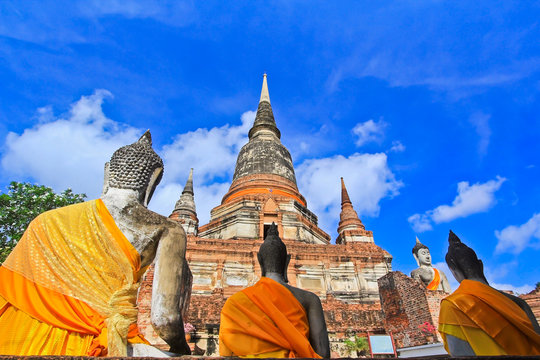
272 318
432 278
479 320
72 279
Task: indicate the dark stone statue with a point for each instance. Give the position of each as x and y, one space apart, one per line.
269 296
274 261
480 303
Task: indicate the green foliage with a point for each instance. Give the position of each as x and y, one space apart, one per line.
22 204
538 285
358 345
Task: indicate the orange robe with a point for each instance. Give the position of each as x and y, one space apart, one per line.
69 286
434 284
490 322
264 320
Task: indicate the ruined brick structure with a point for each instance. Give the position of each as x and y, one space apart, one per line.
222 254
533 299
407 304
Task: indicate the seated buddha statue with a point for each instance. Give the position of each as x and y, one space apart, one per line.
479 320
432 278
72 280
273 319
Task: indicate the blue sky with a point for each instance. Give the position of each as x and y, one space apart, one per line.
428 109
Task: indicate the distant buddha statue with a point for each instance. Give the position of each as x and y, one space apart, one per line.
478 320
271 318
432 278
69 287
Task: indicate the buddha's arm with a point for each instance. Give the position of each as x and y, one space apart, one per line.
415 274
318 334
445 284
167 289
526 308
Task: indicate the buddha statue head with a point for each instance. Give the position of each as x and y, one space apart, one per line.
421 254
462 260
272 255
135 167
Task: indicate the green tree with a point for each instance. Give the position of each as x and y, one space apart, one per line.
22 204
357 346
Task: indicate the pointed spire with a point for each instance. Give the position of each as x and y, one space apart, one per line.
184 210
264 124
265 96
350 226
348 217
344 194
188 189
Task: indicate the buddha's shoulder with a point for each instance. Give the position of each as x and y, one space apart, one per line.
305 297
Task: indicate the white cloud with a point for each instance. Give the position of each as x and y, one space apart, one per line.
397 146
498 274
212 154
522 289
367 177
369 131
480 121
206 197
471 199
515 239
175 13
70 150
420 222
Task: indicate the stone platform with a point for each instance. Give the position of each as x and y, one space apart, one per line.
3 357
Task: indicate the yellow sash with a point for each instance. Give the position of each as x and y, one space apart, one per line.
73 269
434 284
489 321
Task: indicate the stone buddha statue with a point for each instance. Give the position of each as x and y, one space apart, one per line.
432 278
272 318
79 268
131 177
478 320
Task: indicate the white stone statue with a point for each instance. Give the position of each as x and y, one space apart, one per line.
432 278
131 177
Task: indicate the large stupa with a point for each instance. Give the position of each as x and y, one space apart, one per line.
222 254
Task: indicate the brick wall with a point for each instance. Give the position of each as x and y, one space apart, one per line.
348 311
406 305
533 299
343 320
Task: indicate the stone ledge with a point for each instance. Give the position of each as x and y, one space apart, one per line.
50 357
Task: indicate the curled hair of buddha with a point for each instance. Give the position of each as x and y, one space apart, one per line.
464 258
132 166
418 246
273 252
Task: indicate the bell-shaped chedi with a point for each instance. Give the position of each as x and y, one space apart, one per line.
264 189
184 210
350 228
